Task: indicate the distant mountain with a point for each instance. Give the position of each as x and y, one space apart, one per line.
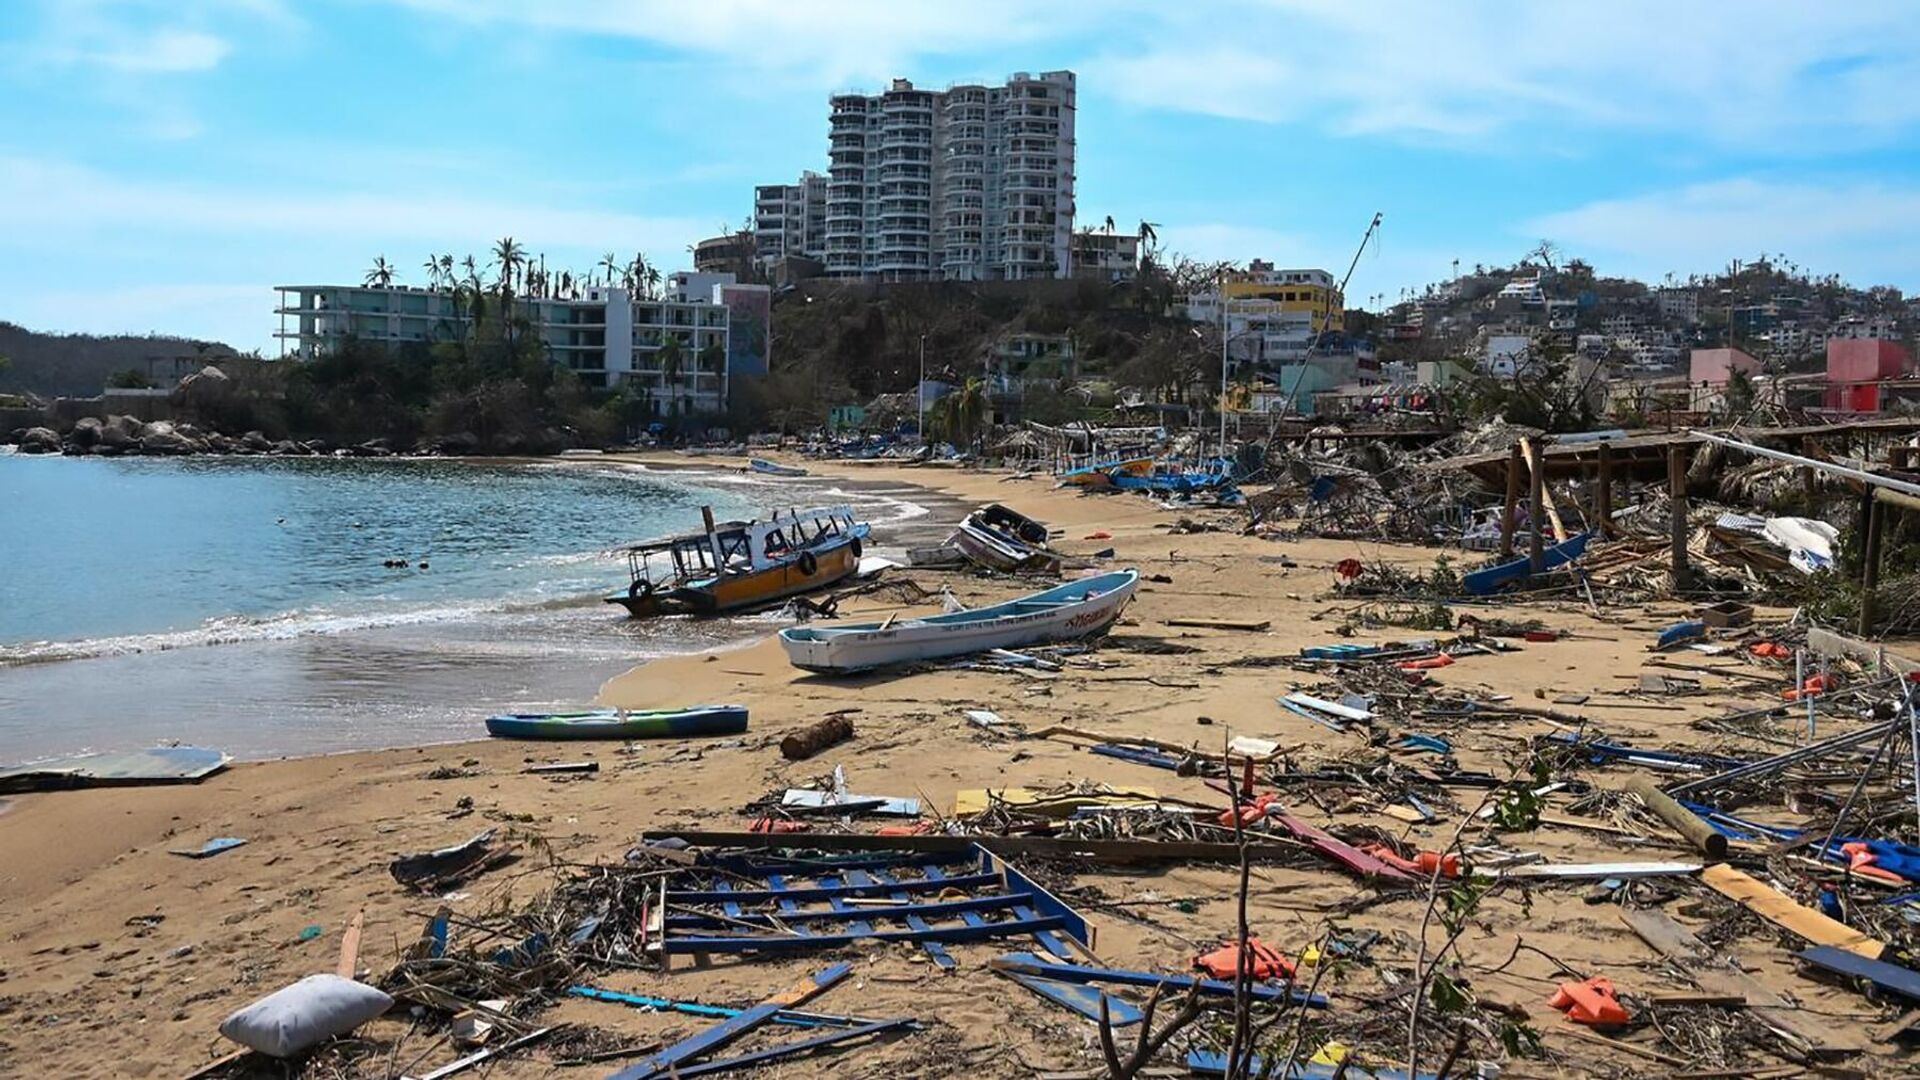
78 365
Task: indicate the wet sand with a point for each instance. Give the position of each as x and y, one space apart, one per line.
86 991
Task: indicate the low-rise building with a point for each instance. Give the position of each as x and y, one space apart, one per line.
1715 367
1105 256
1682 305
607 336
1505 354
1273 316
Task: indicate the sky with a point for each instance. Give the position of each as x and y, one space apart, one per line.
164 163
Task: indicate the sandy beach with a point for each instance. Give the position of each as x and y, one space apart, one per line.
120 959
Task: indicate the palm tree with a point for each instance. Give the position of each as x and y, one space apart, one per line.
510 256
1109 224
637 273
446 267
611 264
381 274
672 358
473 271
432 267
652 283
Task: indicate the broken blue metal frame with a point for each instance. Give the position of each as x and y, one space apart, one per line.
1208 1063
1029 964
1598 752
670 1060
1137 755
1082 999
787 1017
1032 909
1889 977
774 1053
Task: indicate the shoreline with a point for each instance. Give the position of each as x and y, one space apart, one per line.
76 866
494 637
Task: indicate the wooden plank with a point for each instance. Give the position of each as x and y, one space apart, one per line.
1222 624
350 947
1780 909
1601 871
1698 997
1532 454
1676 942
1100 851
726 1032
1339 851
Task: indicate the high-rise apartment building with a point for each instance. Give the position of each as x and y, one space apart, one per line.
791 219
971 183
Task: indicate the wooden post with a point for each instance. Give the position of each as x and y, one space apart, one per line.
1701 835
1511 506
1536 538
1606 490
1870 564
1677 496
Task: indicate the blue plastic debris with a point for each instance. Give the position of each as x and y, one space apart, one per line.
1681 632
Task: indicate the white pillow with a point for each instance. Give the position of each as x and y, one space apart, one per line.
305 1014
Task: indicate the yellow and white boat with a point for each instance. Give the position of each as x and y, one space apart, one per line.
739 565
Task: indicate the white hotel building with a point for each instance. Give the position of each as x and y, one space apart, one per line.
971 183
607 336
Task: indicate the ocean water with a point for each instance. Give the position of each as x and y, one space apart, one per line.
243 602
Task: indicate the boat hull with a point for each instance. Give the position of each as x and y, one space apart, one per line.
744 591
615 724
1070 612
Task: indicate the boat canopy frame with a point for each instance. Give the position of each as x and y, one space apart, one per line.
738 547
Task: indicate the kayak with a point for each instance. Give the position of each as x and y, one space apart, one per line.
621 723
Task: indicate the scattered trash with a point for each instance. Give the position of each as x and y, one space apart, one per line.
209 849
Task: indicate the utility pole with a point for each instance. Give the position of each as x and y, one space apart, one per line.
1220 284
920 395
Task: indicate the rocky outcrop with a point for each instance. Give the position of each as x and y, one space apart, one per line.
164 437
120 435
254 442
85 435
39 440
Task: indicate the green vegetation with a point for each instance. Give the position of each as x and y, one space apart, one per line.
129 379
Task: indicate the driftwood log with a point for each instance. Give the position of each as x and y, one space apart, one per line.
810 740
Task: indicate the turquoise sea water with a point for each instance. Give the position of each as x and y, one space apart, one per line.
243 602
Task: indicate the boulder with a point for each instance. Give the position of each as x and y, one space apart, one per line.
287 447
207 385
121 433
39 440
162 437
373 448
86 433
457 443
218 443
256 442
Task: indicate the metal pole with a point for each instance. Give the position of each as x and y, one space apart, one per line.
1862 476
1781 761
1606 490
1677 497
920 395
1536 498
1223 365
1870 564
1510 509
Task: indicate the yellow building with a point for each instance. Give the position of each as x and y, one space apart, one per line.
1308 295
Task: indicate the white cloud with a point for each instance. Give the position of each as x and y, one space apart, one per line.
1866 232
166 51
51 202
835 41
1774 75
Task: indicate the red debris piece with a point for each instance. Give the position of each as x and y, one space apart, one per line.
1591 1002
1224 962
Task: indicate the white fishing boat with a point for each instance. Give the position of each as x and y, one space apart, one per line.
774 468
1078 609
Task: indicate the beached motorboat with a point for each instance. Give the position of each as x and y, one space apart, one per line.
1173 479
1101 474
742 564
1002 539
773 468
1078 609
1498 576
621 723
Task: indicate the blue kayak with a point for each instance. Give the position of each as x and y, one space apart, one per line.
621 723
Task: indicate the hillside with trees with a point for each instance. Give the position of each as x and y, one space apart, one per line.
78 365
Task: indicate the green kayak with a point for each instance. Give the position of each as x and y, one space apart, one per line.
621 723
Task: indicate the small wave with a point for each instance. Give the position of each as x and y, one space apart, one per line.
237 629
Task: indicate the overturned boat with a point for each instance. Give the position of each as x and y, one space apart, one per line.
1002 539
1079 609
621 723
739 565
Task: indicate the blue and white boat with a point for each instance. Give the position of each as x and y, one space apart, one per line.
774 468
1079 609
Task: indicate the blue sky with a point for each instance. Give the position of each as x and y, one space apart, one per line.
164 162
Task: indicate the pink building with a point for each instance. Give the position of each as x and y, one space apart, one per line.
1716 366
1852 360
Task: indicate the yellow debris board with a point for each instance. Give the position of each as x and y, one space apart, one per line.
1780 909
1054 804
